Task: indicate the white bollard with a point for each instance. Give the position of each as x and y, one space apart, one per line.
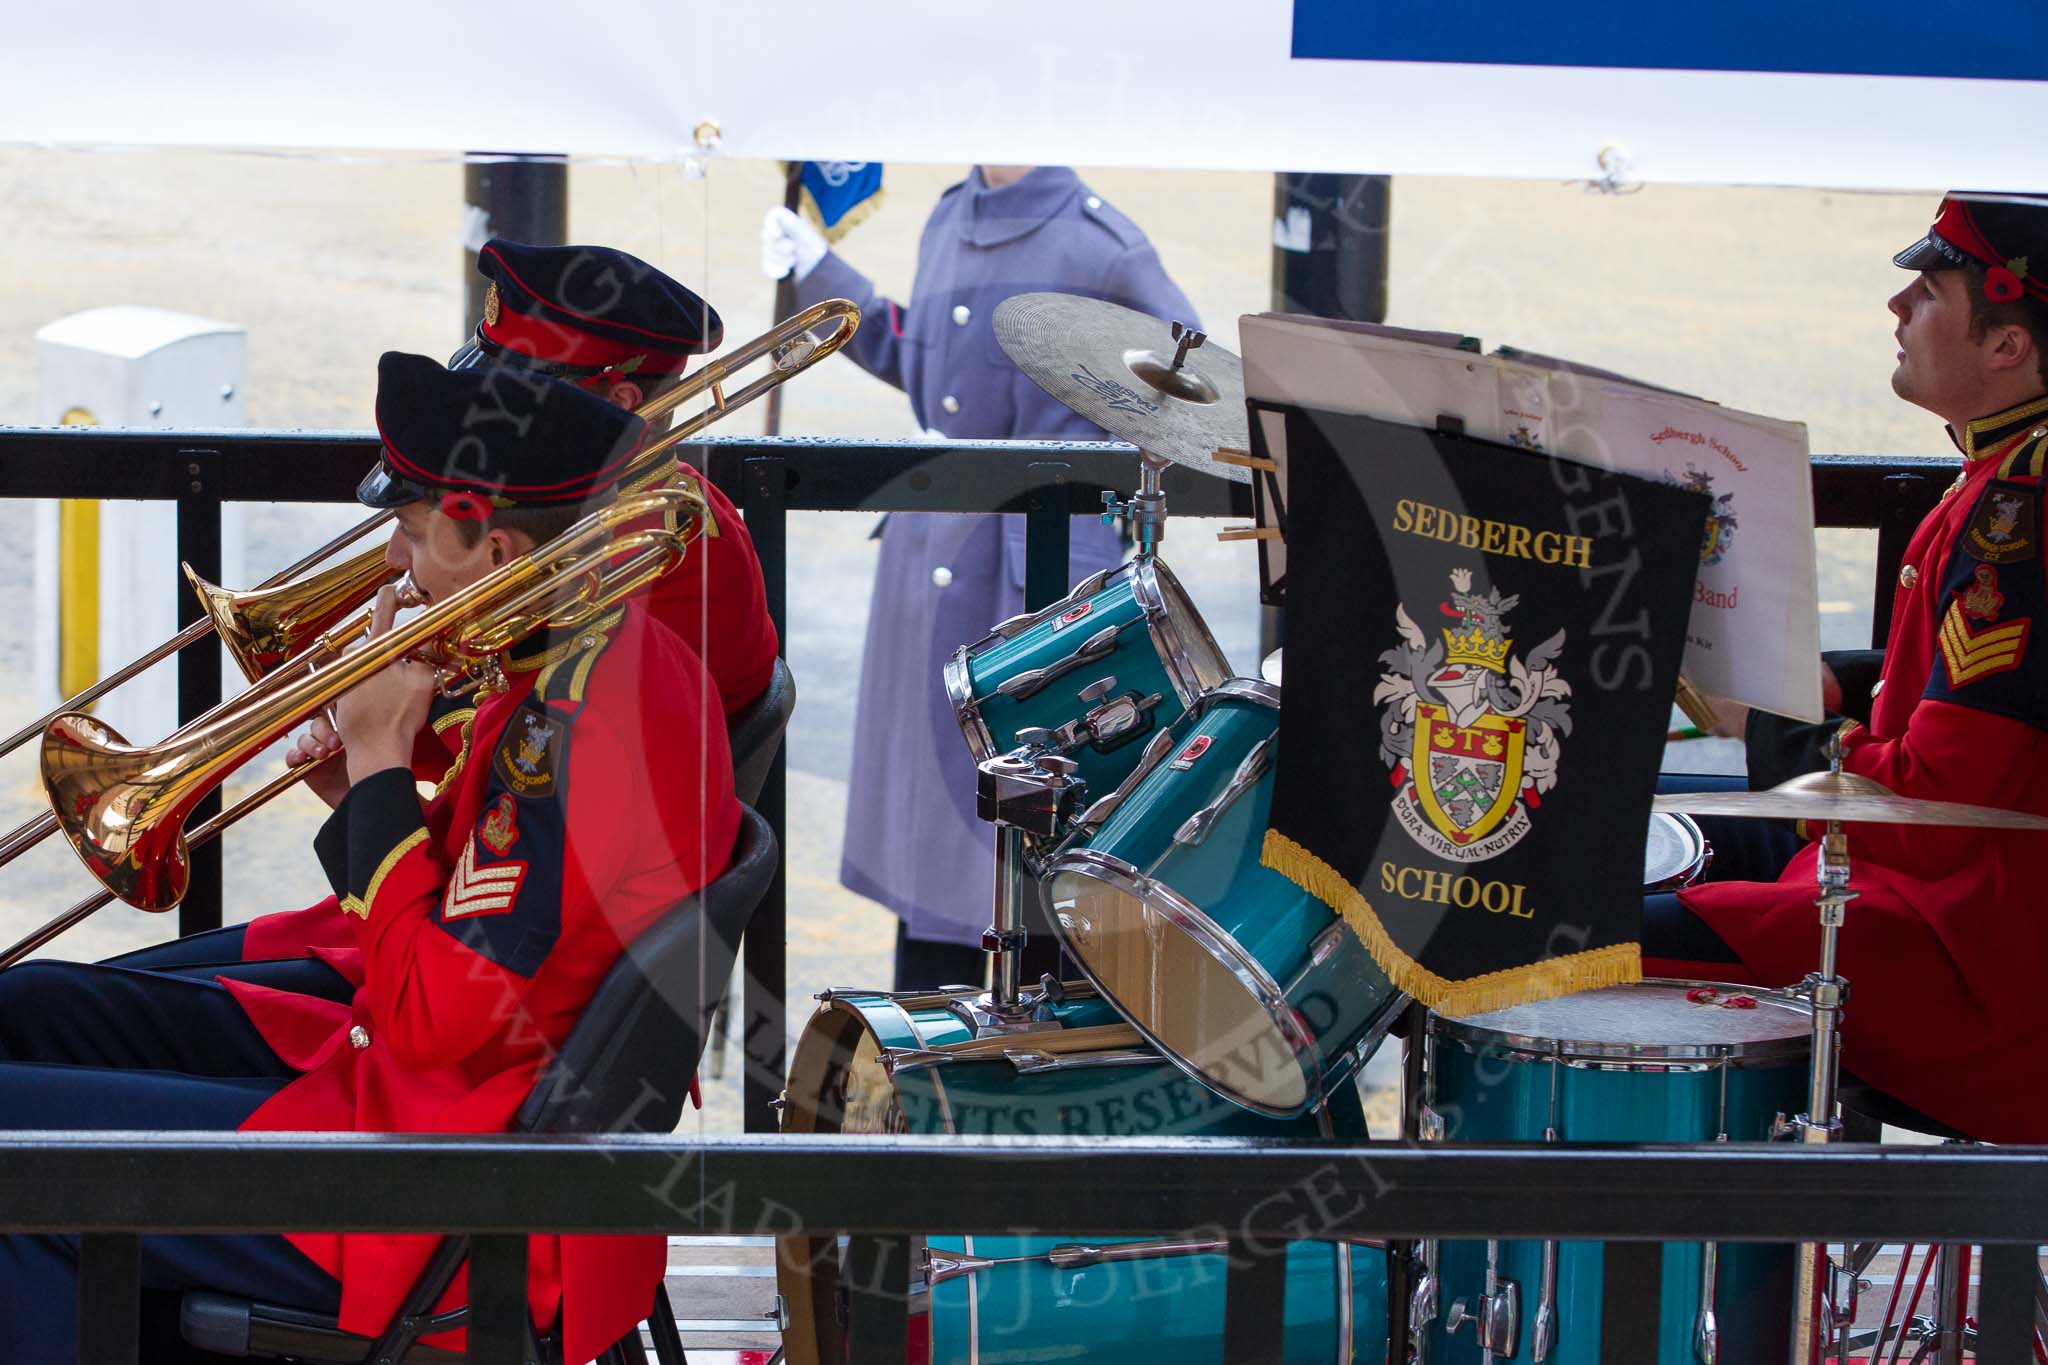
132 366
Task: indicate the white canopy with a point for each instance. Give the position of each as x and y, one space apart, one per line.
1196 84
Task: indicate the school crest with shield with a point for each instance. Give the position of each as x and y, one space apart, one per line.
1720 532
1471 733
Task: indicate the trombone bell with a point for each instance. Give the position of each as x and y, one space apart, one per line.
262 627
105 796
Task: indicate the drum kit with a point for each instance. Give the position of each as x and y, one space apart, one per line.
1129 773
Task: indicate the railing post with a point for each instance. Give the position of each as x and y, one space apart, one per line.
199 683
1903 500
1048 534
498 1316
764 951
2009 1281
878 1299
1254 1303
1632 1279
109 1299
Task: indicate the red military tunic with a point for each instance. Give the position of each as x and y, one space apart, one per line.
595 794
1946 946
716 601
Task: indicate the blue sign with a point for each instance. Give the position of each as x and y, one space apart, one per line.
1993 39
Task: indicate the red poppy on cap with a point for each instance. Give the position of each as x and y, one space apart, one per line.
2001 285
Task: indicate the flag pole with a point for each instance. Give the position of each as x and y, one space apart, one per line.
785 293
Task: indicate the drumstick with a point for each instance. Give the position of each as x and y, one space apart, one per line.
1684 733
1694 703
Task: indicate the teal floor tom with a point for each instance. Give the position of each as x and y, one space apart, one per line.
1659 1061
1094 676
1249 983
876 1063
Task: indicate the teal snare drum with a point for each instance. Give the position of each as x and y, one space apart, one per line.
1098 672
1247 981
872 1063
1660 1061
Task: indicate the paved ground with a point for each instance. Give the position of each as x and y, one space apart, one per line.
1770 300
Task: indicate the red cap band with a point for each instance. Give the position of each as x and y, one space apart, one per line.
557 343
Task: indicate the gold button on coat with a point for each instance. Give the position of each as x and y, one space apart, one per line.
950 403
358 1037
1908 575
961 314
942 577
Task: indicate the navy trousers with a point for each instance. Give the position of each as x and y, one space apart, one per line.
86 1046
218 952
1744 851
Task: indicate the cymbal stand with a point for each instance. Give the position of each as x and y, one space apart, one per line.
1146 508
1827 990
1019 793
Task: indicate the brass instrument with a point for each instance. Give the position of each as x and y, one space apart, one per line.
123 807
276 632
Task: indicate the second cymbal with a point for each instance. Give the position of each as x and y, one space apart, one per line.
1846 797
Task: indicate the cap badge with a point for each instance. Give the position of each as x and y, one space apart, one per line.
491 305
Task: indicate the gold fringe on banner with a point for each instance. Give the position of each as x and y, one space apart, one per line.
848 221
1615 965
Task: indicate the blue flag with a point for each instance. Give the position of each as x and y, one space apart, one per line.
839 195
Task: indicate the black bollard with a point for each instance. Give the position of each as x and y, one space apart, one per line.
514 195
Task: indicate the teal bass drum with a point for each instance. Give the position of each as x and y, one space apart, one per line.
1659 1061
1100 672
872 1063
1247 981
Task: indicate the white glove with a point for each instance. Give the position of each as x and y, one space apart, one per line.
789 242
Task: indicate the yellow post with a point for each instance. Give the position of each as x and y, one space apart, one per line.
78 584
78 595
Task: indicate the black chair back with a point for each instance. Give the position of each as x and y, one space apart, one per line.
627 1063
756 733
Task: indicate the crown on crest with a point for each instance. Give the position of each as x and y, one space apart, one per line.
1479 641
1474 648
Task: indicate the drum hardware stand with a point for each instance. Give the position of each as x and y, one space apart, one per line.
1146 508
1031 1063
1500 1310
1019 793
1107 718
1819 1125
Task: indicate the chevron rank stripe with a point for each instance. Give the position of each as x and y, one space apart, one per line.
474 890
1969 655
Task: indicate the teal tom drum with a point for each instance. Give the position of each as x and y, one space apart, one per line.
873 1063
1093 676
1660 1061
1248 982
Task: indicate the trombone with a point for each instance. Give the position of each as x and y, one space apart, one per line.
123 807
276 631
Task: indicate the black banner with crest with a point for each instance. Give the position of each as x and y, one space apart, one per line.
1482 643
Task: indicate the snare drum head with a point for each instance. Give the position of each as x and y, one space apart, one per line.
1649 1020
1675 852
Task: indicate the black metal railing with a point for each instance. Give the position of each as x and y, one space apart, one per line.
114 1187
110 1187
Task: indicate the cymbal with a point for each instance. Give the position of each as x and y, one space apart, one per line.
1131 375
1269 668
1843 796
